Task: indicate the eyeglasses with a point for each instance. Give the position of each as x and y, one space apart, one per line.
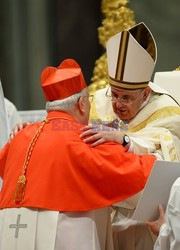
90 97
126 99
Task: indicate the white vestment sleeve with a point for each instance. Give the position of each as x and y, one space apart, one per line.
169 236
138 144
12 115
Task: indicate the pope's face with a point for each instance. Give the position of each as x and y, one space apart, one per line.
126 103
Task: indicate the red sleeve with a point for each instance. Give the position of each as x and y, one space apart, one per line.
108 174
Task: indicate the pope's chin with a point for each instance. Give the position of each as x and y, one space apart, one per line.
123 115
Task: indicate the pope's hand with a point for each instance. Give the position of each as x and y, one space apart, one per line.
17 128
156 225
98 134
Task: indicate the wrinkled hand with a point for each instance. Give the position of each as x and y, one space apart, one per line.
17 128
155 225
98 134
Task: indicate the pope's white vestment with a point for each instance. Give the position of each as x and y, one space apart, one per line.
169 235
154 130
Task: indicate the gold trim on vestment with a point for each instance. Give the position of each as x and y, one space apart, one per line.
161 113
93 111
172 153
174 158
168 138
171 149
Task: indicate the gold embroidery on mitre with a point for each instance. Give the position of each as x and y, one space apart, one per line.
143 36
127 85
122 55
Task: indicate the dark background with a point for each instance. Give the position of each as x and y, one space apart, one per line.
37 33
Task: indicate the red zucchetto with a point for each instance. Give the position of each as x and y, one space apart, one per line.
63 81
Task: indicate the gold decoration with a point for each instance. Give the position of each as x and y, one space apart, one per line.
178 68
20 189
117 18
21 183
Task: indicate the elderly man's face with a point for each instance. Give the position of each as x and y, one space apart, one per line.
126 103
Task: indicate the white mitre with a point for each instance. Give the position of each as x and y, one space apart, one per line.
131 57
169 82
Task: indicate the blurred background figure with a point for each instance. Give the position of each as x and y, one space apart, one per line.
9 117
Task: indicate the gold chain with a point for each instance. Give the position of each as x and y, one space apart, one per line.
21 183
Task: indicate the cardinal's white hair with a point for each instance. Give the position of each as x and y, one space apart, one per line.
66 104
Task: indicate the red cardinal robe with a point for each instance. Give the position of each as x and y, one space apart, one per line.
64 173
